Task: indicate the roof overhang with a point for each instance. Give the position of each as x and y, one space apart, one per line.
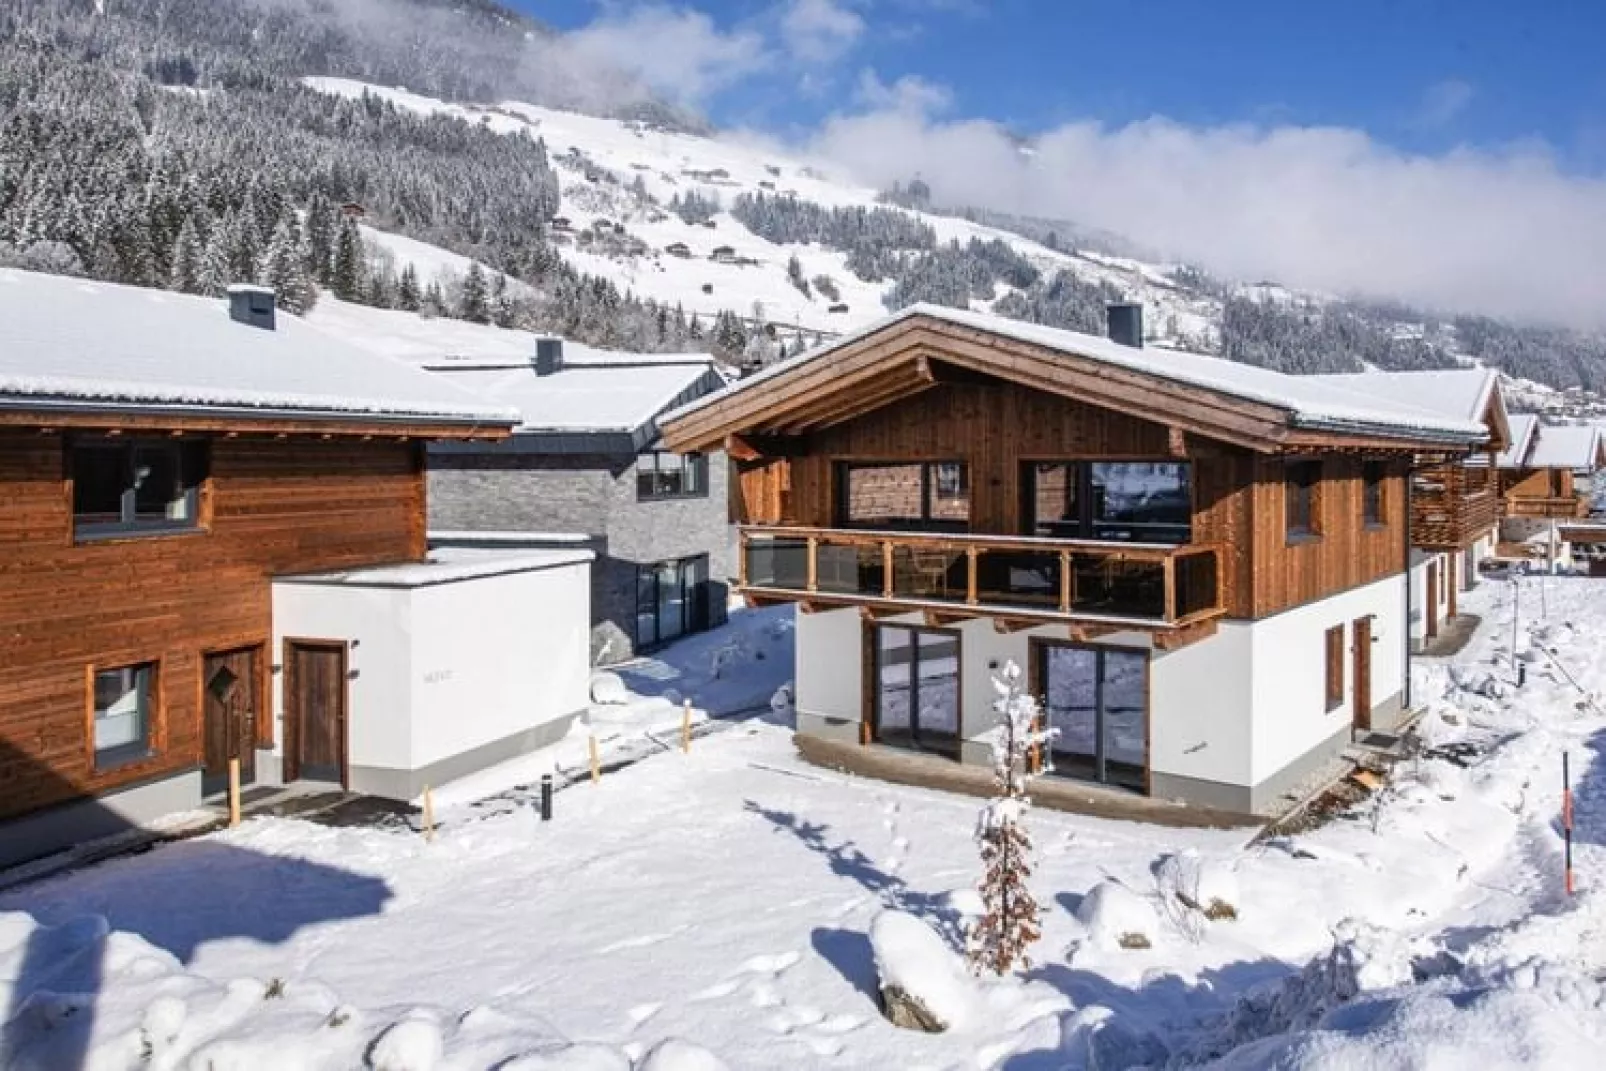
914 353
46 412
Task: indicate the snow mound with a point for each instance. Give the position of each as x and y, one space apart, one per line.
413 1044
1116 917
673 1054
912 957
608 689
1202 885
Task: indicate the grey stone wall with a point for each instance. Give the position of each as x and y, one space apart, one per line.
595 495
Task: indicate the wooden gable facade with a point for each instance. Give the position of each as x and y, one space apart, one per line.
923 390
271 498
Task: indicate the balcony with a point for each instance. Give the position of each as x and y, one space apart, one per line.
1450 518
1135 585
1566 507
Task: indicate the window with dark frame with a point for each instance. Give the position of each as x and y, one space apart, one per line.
1301 488
661 475
136 486
914 494
674 599
1129 501
1373 475
125 702
1335 667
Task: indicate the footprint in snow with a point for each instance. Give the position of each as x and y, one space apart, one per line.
716 991
823 1046
840 1024
644 941
901 843
764 996
642 1012
773 964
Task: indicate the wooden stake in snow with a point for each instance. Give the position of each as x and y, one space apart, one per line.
1567 823
1010 920
429 815
685 727
234 792
596 762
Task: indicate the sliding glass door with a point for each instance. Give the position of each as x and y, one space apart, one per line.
917 692
672 600
1096 698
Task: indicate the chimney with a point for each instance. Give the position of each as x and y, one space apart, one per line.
252 306
548 356
1125 320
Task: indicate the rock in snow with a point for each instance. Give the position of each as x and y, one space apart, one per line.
609 690
923 982
1115 916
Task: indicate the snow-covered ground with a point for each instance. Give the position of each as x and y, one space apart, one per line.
725 897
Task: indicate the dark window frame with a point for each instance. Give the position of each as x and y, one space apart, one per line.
1038 666
1302 500
701 609
189 460
1374 494
650 471
929 481
941 743
1333 650
121 756
1080 489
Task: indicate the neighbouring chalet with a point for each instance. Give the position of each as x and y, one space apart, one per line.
212 548
1200 564
585 461
1455 503
1546 477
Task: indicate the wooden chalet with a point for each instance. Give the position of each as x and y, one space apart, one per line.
163 459
1455 503
1544 471
1200 563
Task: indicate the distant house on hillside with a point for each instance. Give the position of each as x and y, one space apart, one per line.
353 210
215 552
561 223
678 249
723 254
585 459
1200 566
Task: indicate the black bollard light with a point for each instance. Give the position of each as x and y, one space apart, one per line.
546 797
1522 674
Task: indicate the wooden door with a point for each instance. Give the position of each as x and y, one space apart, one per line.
1432 608
1452 587
231 692
1362 657
315 711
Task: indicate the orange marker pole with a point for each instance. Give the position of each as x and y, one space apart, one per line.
1567 822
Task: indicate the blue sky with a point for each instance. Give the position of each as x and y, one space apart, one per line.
1420 74
1448 152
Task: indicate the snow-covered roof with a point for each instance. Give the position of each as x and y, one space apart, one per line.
1311 401
1461 393
1515 456
71 343
445 565
1566 446
585 398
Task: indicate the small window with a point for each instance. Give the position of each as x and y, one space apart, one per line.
1373 474
1301 488
136 487
1335 667
664 475
124 701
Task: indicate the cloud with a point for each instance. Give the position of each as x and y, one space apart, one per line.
819 31
909 95
1444 102
1505 231
677 52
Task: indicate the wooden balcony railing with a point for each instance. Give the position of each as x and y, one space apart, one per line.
1565 507
1053 579
1450 518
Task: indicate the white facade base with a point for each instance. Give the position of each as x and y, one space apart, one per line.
453 665
1236 721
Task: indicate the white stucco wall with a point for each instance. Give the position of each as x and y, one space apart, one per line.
1420 560
1199 707
495 657
1288 654
830 663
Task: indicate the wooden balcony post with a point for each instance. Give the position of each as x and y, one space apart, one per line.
814 564
742 552
1067 582
1170 567
886 568
971 554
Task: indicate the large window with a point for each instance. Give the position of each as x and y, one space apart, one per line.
1129 501
1301 490
918 494
136 486
1096 701
665 475
673 599
917 688
124 701
1373 474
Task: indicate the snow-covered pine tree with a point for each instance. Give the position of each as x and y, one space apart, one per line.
217 271
1010 919
284 268
503 310
184 271
475 303
407 293
795 276
346 274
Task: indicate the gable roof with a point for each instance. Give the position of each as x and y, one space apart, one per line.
1567 446
1255 407
1463 393
1523 429
70 345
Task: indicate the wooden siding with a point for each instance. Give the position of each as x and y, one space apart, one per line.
1452 505
271 506
995 426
